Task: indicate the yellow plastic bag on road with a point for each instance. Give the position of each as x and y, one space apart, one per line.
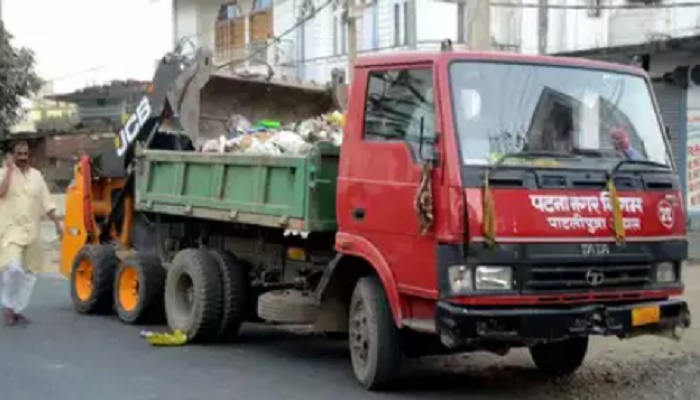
177 338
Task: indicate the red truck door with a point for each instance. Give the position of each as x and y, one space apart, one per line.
381 169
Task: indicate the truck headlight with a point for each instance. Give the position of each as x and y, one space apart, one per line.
665 272
493 278
460 278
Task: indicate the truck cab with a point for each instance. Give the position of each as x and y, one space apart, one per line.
511 200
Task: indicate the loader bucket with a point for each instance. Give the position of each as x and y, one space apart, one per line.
204 100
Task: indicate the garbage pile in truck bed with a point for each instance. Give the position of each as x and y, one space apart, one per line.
272 138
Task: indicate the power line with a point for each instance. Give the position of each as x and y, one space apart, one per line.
76 73
688 4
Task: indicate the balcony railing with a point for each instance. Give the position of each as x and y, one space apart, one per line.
273 53
247 41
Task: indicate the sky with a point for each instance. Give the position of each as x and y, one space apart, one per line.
82 42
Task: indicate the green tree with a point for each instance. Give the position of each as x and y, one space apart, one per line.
17 79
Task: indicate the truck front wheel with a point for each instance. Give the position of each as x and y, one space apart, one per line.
561 358
374 338
193 295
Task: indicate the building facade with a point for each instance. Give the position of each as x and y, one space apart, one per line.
41 113
104 107
663 35
307 39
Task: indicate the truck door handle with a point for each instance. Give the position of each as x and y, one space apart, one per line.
358 213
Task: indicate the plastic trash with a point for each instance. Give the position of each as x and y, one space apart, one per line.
290 143
176 338
237 124
262 147
211 146
269 124
17 287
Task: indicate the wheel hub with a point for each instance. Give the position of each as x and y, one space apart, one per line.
83 281
359 333
129 288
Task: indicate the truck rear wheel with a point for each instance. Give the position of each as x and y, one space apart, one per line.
91 279
374 338
193 295
236 288
561 358
138 289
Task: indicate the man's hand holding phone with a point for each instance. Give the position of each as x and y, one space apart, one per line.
10 162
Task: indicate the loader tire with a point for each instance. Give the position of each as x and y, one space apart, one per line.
375 350
235 294
91 279
139 285
193 295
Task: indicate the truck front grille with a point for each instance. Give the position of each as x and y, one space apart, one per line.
551 278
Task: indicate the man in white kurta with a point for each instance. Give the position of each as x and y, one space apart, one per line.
24 200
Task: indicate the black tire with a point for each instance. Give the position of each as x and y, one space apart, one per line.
560 358
193 295
150 286
236 294
99 276
372 328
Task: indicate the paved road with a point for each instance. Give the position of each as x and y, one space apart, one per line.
64 356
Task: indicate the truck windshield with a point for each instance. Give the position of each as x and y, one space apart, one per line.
589 117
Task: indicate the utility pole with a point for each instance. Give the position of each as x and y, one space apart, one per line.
477 23
352 13
411 24
543 25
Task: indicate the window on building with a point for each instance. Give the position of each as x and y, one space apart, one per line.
400 106
259 5
594 8
229 11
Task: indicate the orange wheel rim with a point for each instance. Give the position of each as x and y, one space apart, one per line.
83 280
128 288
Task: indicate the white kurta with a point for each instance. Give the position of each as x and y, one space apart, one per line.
21 210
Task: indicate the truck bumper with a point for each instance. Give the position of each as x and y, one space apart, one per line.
460 326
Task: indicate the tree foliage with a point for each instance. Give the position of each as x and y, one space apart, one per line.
17 80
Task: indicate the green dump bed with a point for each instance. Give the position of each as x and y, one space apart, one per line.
286 192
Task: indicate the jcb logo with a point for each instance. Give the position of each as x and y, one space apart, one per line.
133 126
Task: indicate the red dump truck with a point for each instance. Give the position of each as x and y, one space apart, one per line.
478 202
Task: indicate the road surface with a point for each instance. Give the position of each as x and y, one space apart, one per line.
64 356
